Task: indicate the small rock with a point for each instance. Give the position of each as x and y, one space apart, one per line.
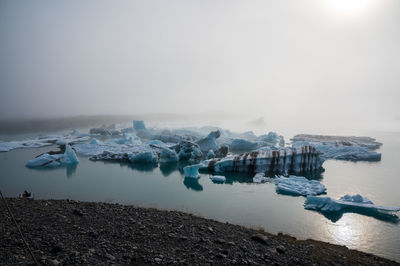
77 212
109 256
263 239
157 259
56 248
220 241
281 249
54 262
210 229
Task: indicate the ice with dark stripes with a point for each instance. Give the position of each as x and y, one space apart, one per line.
293 160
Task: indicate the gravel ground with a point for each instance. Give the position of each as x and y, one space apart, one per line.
65 232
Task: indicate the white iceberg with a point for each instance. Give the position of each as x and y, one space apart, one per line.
218 178
54 160
261 178
298 186
341 148
347 202
192 171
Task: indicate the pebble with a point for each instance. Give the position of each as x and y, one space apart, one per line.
263 239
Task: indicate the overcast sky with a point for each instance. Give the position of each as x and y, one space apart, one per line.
284 59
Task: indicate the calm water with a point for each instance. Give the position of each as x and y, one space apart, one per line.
239 202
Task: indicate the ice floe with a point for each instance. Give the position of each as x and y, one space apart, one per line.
54 160
261 178
298 186
218 178
347 202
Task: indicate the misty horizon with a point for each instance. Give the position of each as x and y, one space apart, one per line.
279 60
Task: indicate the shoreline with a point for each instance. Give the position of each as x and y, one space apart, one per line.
68 232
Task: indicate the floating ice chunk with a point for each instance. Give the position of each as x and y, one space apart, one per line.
347 202
45 160
366 142
209 142
299 186
143 157
243 145
261 178
192 171
54 160
340 152
218 178
168 156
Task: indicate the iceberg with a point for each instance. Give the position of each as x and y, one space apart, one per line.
243 145
298 186
139 125
218 178
366 142
209 142
347 202
54 160
168 156
341 148
261 178
192 171
280 161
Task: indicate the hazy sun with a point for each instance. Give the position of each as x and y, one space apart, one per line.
348 6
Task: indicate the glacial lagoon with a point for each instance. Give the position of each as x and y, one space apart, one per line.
238 200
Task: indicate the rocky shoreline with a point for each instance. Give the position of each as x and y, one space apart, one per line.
66 232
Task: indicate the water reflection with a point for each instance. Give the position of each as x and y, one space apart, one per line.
193 184
70 170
